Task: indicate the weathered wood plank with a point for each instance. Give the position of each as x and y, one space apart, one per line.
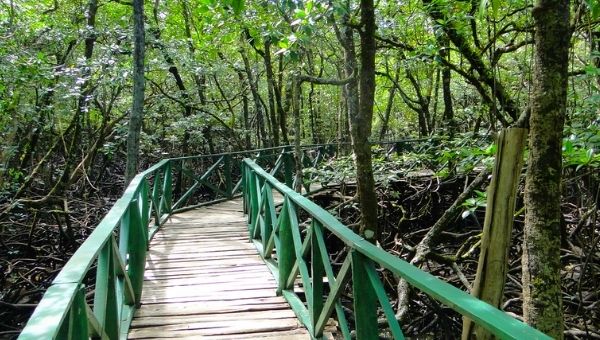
205 279
261 315
177 295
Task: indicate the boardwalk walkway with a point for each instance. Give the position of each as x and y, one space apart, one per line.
204 278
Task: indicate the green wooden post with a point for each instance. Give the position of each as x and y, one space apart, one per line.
317 272
228 179
288 168
144 207
178 178
285 250
254 204
383 300
269 215
167 196
79 315
124 234
365 300
105 300
156 205
75 325
137 246
245 171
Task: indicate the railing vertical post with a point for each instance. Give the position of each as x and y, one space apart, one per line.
144 207
269 215
178 178
76 324
105 299
167 189
137 246
254 204
365 300
79 313
228 177
288 167
285 249
317 272
244 168
156 200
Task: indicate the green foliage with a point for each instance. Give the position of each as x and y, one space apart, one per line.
473 203
440 157
581 150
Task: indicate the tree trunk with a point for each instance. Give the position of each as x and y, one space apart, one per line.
446 79
542 299
280 107
360 124
245 113
256 97
271 91
296 90
388 109
497 227
137 111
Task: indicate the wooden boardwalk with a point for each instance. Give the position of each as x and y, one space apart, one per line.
204 279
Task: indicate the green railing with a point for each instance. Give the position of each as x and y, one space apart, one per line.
296 252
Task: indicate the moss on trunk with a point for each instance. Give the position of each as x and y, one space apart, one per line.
542 299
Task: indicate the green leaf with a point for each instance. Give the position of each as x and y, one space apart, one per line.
237 5
300 14
590 155
594 6
482 8
308 6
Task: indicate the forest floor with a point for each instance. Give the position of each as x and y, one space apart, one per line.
35 243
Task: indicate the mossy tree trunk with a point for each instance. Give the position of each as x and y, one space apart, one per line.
135 118
542 300
360 123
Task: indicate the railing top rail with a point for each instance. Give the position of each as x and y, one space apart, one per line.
491 318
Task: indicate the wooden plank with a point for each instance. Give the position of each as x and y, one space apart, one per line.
196 309
174 294
184 272
204 278
178 294
214 277
216 288
171 240
206 281
218 257
191 250
220 327
261 315
195 264
225 233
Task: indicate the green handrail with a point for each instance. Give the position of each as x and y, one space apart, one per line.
302 253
